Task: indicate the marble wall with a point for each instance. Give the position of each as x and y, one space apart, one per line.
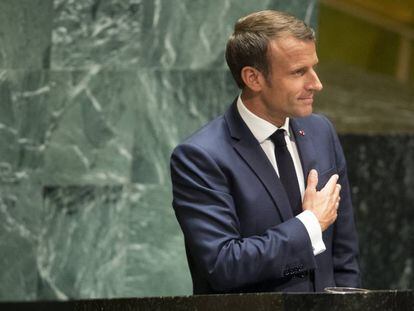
94 95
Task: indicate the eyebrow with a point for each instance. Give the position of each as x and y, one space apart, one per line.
304 67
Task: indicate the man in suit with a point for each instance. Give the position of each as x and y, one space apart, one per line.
261 193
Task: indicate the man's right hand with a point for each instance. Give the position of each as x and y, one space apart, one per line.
324 204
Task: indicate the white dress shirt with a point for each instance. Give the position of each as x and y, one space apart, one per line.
261 130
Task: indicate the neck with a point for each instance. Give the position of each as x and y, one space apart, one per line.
255 104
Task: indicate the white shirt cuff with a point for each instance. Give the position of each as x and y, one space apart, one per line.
311 224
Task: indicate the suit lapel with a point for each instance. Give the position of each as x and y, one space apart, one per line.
249 149
306 148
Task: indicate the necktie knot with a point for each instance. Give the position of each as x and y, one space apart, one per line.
278 138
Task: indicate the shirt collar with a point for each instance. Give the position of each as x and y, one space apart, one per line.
260 128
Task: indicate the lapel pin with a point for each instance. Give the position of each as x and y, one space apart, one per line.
302 132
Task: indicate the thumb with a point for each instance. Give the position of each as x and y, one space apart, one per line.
312 179
310 190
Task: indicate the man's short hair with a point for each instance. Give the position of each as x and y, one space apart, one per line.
248 45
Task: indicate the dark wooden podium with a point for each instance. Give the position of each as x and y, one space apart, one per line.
369 301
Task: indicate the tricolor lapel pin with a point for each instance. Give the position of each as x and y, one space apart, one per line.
302 132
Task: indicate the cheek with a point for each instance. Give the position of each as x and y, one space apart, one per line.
282 91
290 88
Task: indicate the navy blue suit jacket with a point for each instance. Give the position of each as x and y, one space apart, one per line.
240 234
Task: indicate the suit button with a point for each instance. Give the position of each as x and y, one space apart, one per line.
302 274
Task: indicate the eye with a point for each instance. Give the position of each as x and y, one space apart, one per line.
299 72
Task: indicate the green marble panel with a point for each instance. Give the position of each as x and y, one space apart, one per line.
82 244
110 241
23 95
23 117
25 33
20 203
91 127
112 126
161 34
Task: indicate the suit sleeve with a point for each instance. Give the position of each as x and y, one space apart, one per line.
345 239
206 212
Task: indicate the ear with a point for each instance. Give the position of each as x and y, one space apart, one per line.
253 78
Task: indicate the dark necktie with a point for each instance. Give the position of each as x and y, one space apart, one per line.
287 173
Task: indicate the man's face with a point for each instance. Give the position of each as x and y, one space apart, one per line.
292 80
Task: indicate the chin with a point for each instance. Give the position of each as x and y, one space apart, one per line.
303 113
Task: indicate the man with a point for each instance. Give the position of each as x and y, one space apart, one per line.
250 222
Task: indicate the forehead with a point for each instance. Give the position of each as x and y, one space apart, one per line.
291 52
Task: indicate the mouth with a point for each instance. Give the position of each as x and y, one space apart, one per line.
307 100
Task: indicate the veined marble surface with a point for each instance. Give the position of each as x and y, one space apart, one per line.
162 34
25 33
109 241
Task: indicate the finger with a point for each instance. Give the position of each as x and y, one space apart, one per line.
336 192
330 185
334 197
312 179
310 190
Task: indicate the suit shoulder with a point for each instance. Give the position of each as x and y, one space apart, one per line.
210 137
318 121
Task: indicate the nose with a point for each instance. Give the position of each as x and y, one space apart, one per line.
314 83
